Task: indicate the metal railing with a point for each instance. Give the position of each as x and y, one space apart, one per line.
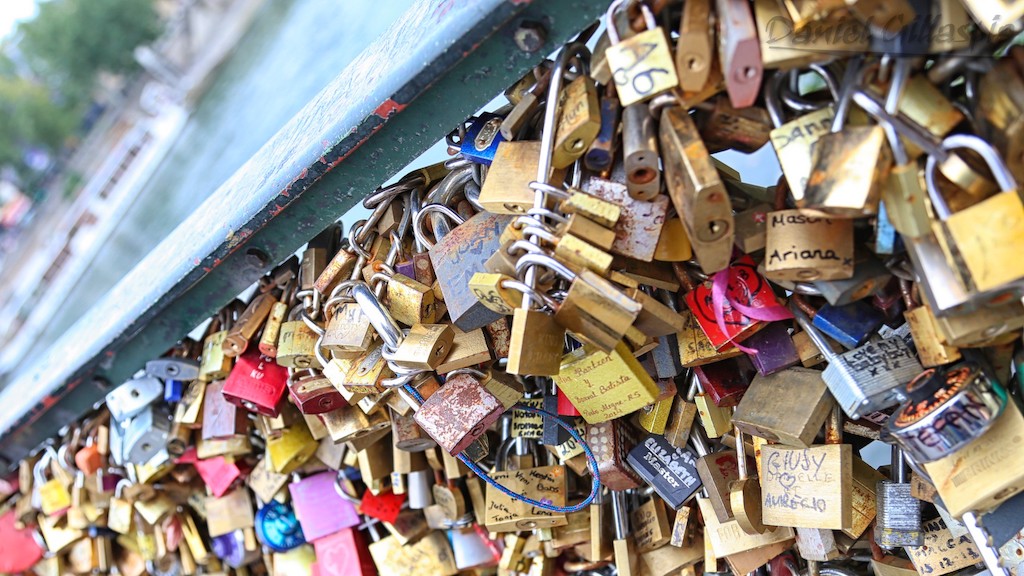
435 66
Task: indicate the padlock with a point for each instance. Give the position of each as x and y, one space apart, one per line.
506 513
795 140
848 164
459 255
52 495
640 152
745 493
291 449
898 513
482 138
946 410
132 397
669 470
214 364
296 346
425 347
256 383
724 127
459 412
717 471
787 42
641 65
868 378
593 309
318 506
819 499
986 232
748 289
624 544
272 329
348 329
766 412
221 419
724 382
903 196
925 332
146 435
602 151
605 386
181 369
802 246
869 276
236 341
999 103
580 118
694 56
850 325
231 512
611 442
739 52
313 393
776 350
696 190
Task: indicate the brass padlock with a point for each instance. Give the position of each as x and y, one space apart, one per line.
849 164
802 246
696 190
641 65
594 309
296 346
988 232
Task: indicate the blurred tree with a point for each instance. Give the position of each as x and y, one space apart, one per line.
30 118
70 41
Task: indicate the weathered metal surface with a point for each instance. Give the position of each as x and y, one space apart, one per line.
439 63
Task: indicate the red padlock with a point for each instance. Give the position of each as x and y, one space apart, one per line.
384 506
256 383
565 407
743 289
313 393
18 548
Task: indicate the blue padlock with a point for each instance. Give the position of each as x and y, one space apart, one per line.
482 139
173 390
278 528
850 325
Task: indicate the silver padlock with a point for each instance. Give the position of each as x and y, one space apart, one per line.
133 397
146 435
173 369
868 378
897 512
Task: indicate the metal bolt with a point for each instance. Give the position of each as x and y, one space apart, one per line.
530 36
256 258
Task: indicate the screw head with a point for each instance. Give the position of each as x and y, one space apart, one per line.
530 36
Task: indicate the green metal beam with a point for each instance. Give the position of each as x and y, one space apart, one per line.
437 65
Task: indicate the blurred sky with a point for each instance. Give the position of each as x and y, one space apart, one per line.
13 10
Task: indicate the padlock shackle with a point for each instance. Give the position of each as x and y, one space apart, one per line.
378 316
609 19
417 223
528 261
897 124
619 515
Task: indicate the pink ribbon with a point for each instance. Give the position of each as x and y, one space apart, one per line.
720 296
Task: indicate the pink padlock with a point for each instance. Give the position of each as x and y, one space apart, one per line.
319 507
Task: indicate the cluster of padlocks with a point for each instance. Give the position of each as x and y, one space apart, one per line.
562 351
